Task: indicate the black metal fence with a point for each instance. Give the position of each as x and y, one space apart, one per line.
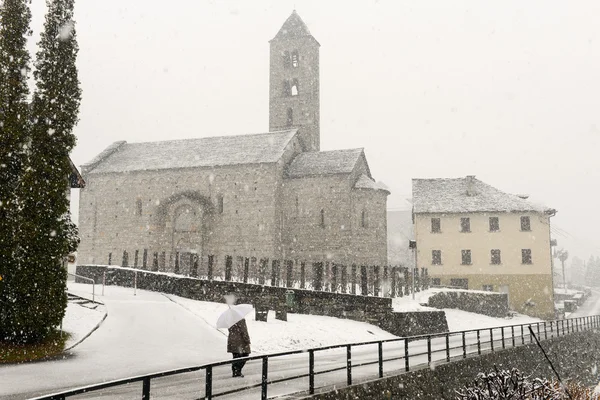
391 356
329 276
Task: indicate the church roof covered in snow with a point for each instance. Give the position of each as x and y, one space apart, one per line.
364 182
324 163
192 153
465 195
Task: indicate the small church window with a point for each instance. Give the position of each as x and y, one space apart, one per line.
290 117
295 59
287 90
364 222
297 205
286 60
220 204
322 217
138 207
295 88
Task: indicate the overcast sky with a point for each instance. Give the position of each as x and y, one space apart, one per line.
507 91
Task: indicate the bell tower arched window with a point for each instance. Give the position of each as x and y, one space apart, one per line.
295 59
287 61
295 89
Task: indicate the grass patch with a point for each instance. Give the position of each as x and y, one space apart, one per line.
53 345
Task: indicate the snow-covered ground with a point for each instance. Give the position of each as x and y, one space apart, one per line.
80 321
458 320
149 332
299 332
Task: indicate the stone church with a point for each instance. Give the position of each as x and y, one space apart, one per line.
271 195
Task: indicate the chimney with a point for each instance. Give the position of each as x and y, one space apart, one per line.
471 185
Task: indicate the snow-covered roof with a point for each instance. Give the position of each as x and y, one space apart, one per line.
463 195
364 182
293 28
192 153
324 163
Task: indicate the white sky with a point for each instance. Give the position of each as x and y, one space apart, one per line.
508 91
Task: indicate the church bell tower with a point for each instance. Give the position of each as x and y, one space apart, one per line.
294 82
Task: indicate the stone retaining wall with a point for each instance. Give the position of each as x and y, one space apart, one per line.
492 304
374 310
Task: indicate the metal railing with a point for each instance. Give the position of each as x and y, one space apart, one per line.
89 280
426 350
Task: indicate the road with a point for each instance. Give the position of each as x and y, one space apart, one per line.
590 307
142 334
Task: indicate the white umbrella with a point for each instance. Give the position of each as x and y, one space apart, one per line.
233 315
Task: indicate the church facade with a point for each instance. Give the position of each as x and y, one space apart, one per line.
273 195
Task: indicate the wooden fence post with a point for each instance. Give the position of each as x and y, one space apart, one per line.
364 281
376 281
289 273
394 282
334 281
344 279
318 276
385 287
125 260
210 268
155 262
176 269
145 259
194 265
274 273
135 258
353 280
228 266
109 258
246 269
262 268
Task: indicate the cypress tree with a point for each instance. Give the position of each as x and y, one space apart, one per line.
15 18
47 233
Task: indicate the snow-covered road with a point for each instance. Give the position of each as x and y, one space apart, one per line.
143 334
590 307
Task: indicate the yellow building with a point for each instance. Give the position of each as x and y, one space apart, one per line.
471 235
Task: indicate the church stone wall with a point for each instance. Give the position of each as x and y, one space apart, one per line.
110 220
335 235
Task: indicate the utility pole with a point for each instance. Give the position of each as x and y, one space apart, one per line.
562 256
412 244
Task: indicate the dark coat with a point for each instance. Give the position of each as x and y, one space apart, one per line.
238 340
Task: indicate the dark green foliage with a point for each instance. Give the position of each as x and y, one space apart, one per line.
45 233
14 122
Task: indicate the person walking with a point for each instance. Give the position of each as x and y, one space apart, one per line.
238 344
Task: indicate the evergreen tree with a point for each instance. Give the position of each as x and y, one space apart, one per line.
15 18
46 233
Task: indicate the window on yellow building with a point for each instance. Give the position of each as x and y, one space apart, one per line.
436 225
526 256
525 224
488 288
465 224
466 257
496 257
436 257
494 224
